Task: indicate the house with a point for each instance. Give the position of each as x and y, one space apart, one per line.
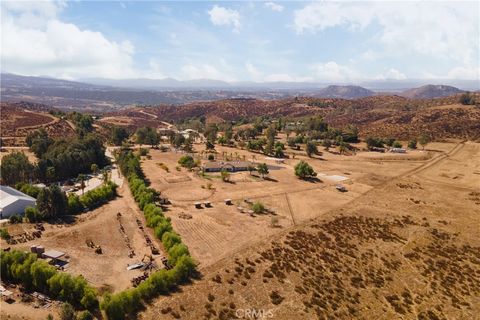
230 166
14 202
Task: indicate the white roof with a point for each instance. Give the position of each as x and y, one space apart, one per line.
9 195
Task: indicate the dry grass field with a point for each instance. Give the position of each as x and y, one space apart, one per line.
401 243
407 248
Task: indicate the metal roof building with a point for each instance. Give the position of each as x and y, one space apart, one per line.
13 202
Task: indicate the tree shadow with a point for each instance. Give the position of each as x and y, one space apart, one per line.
270 179
312 179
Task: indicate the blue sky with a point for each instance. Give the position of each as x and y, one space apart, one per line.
242 41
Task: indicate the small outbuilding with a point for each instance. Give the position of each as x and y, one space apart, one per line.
14 202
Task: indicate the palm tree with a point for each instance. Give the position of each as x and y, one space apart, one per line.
94 168
105 176
81 177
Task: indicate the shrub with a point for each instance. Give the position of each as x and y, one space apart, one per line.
304 170
176 251
98 196
258 207
4 234
74 204
186 162
28 189
374 143
85 315
211 157
170 238
397 144
225 175
412 144
33 215
15 219
67 312
311 148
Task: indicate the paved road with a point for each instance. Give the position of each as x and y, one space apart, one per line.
97 181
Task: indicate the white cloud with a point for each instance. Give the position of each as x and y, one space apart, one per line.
456 73
392 74
442 30
55 48
274 6
331 71
204 71
254 73
221 16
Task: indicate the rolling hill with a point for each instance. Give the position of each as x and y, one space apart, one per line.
345 92
430 91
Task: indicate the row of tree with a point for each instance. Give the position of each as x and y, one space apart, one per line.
34 274
128 302
52 202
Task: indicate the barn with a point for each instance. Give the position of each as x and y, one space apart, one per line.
13 202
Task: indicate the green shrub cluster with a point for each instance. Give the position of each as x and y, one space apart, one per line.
28 189
35 274
92 199
128 302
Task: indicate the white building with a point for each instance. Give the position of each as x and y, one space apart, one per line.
13 202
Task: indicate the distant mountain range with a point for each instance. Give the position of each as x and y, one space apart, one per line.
430 91
345 92
106 94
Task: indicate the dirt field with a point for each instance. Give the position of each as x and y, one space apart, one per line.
401 243
106 271
214 233
407 248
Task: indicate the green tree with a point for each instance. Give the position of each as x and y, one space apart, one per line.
94 168
81 178
424 139
225 175
52 202
177 140
412 144
67 312
38 141
311 148
304 170
85 315
397 144
118 135
262 169
147 135
209 145
327 144
15 168
186 162
33 215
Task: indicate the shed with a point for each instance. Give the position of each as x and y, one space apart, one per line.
228 202
53 254
14 202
